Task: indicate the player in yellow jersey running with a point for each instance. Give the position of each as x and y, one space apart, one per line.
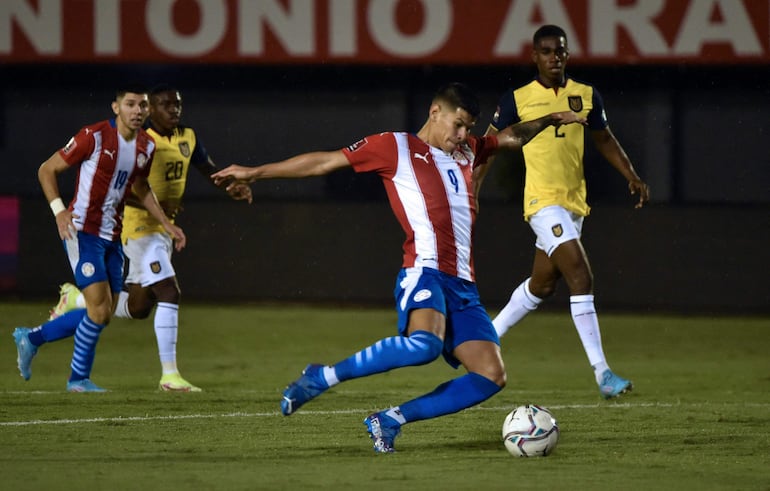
555 194
151 279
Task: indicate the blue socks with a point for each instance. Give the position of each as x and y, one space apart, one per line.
59 328
450 397
86 337
398 351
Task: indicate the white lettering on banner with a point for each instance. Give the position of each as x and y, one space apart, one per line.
516 31
42 29
295 27
451 31
212 28
637 20
107 27
343 37
383 27
698 29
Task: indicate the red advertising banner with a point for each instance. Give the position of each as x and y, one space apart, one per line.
381 31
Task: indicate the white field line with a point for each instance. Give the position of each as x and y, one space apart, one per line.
125 419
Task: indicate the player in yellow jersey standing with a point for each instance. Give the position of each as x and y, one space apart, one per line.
151 279
555 194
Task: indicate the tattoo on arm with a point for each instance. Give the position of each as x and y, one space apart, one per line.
527 130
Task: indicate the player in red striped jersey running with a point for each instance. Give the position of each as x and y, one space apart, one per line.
111 157
428 179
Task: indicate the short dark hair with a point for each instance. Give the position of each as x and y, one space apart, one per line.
133 87
162 87
459 95
548 31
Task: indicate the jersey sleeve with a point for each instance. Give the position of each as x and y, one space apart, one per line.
200 159
483 147
146 154
374 153
506 113
597 117
78 147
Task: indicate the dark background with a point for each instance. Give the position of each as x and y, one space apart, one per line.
697 135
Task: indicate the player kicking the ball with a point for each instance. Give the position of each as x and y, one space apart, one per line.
428 179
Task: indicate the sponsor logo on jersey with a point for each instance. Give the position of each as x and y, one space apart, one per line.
422 295
184 147
557 230
421 157
155 267
111 153
360 143
87 269
141 160
575 103
70 146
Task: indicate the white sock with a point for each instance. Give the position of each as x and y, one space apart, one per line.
395 413
166 331
587 325
121 310
330 375
522 302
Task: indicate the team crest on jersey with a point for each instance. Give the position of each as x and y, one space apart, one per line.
87 269
70 146
557 230
460 158
575 103
184 147
155 267
360 143
496 116
141 160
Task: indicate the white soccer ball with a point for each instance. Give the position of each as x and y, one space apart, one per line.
530 431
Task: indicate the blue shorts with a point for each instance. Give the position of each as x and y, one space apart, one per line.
456 298
94 259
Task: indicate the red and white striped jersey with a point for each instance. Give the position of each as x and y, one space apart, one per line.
108 165
431 194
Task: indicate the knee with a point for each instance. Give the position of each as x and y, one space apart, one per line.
140 311
100 314
167 291
581 283
542 289
497 375
428 345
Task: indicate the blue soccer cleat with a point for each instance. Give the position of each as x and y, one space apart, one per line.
84 385
382 430
613 385
309 386
25 351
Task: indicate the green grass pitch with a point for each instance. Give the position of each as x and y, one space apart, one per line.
699 416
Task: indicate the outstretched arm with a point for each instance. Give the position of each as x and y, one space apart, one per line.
517 135
240 191
610 148
304 165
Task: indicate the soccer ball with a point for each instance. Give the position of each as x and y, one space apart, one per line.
530 431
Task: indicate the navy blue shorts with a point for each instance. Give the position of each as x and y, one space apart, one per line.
456 298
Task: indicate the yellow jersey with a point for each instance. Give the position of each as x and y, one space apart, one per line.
168 178
553 158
